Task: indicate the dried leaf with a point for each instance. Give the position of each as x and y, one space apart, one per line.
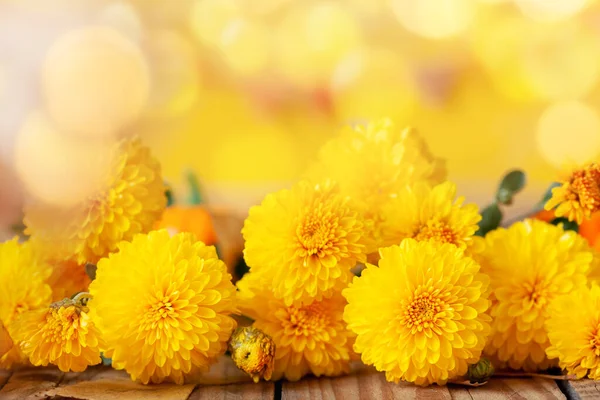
6 342
31 383
113 389
101 383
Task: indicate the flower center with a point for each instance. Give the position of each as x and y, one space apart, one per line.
537 294
585 187
61 324
158 312
438 231
315 231
423 311
306 320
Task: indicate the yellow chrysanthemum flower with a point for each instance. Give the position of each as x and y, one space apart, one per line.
163 306
573 329
309 339
421 315
131 202
67 279
305 240
425 213
530 264
579 197
373 162
62 334
6 342
22 287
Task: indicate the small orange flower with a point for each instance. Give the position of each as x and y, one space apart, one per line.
6 342
578 197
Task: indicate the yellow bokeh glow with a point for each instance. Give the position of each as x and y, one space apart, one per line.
313 40
95 82
175 72
208 19
568 133
551 54
245 46
372 84
123 17
435 19
57 168
550 10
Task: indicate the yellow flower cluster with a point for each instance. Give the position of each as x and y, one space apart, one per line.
160 305
374 162
130 201
530 264
440 296
378 186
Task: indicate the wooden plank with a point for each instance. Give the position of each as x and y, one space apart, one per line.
586 388
369 385
4 375
514 389
30 383
103 383
245 391
224 372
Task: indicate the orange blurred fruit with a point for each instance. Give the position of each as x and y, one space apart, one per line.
195 219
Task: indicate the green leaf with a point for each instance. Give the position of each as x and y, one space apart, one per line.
566 224
169 196
105 361
195 192
491 217
511 184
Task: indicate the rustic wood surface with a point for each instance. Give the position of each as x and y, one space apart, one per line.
227 383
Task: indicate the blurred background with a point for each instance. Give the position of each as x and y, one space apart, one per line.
244 92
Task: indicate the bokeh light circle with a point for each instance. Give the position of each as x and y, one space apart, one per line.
568 133
550 10
434 19
245 46
208 19
95 82
56 168
175 70
311 41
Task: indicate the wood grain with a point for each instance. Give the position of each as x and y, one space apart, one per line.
514 389
245 391
369 385
586 388
4 375
30 383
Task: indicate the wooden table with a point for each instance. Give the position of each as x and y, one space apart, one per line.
227 383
